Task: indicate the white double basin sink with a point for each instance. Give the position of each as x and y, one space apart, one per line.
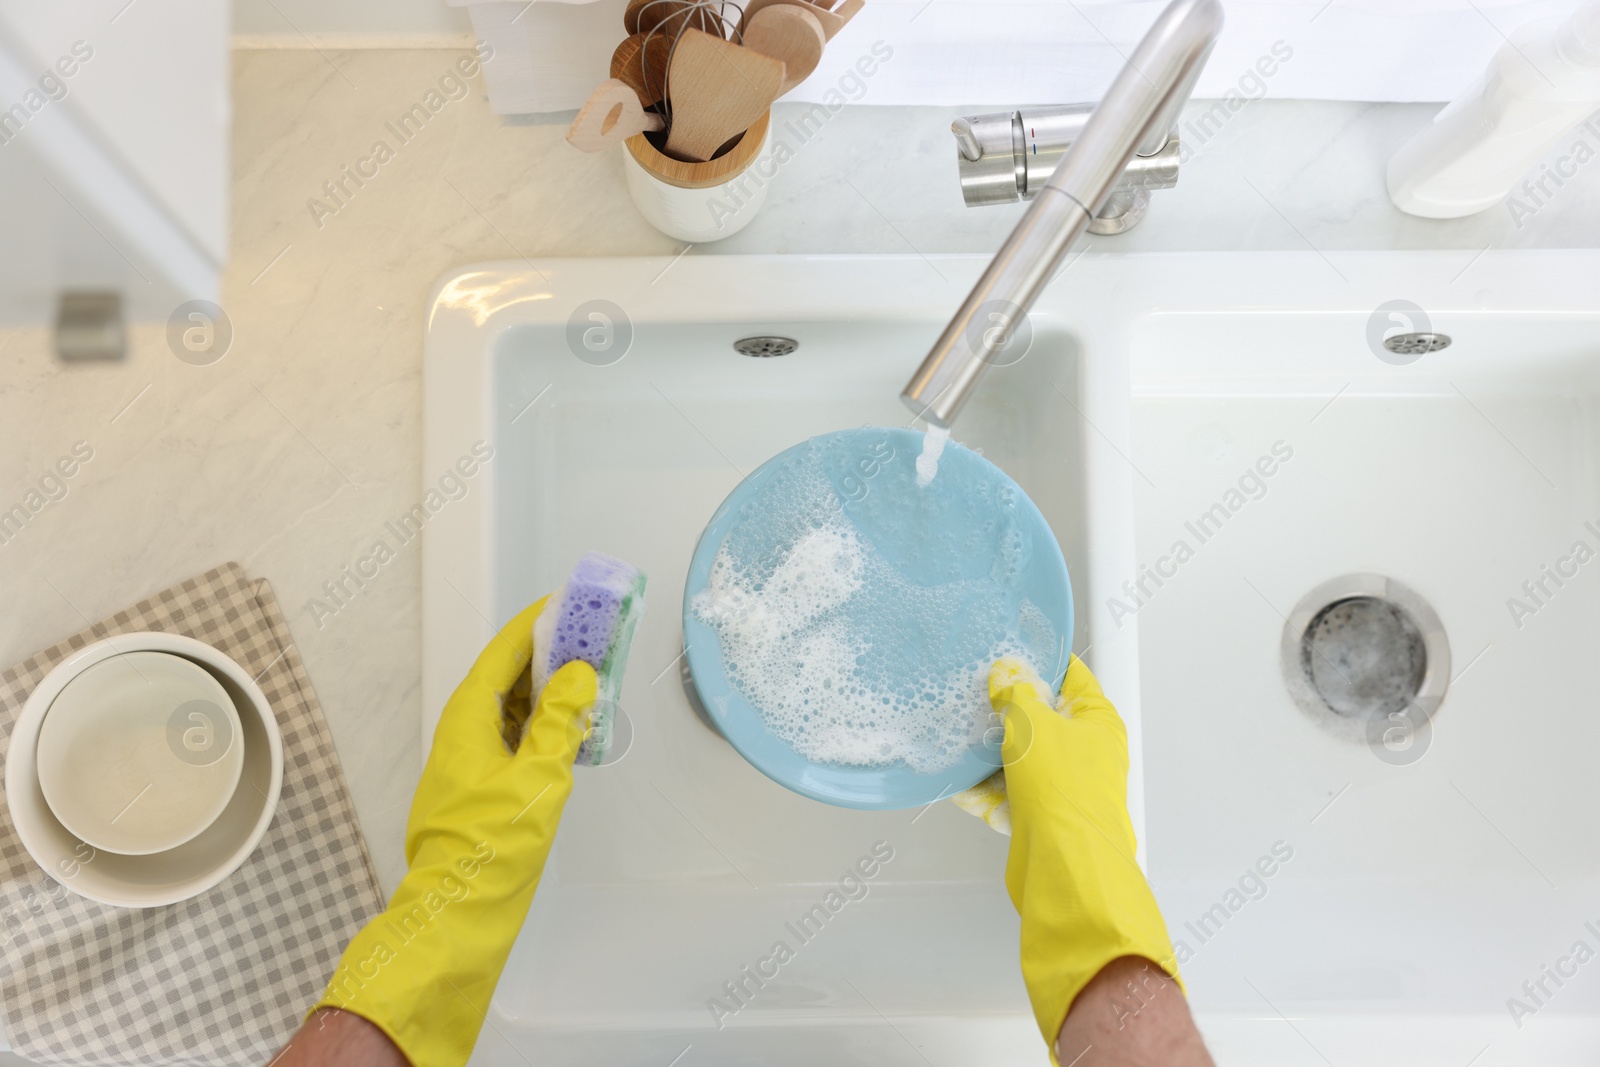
1332 906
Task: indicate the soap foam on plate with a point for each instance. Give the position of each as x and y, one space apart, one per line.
848 660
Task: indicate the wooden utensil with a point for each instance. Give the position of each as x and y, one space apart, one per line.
673 16
610 116
791 33
640 62
700 175
847 9
832 21
716 89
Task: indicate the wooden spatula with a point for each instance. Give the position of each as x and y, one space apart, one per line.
791 33
611 115
717 89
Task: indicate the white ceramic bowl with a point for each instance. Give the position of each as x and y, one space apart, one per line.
140 753
149 881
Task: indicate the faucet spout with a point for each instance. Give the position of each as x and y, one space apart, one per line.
1135 117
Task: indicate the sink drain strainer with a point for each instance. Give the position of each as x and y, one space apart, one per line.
1416 344
1367 659
765 347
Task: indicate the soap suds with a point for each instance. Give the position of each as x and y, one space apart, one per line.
847 660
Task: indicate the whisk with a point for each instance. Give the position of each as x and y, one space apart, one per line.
665 20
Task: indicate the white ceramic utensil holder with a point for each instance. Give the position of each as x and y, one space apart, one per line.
700 202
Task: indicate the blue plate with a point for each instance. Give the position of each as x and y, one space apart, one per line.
929 536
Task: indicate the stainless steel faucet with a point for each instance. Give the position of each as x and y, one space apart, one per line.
1135 118
1009 156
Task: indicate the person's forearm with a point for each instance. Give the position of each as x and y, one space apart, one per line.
1131 1015
332 1037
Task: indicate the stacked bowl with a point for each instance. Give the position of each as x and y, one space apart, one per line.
144 769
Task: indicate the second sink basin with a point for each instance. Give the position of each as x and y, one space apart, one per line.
1374 901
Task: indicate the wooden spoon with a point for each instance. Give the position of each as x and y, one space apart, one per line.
611 115
832 21
791 33
717 89
640 61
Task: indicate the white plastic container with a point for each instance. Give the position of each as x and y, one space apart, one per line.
700 202
1543 82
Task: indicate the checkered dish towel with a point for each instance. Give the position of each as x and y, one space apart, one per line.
223 978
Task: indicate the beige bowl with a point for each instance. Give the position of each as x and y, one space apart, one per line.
163 877
140 753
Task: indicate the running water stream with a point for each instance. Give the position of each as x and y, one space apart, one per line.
933 442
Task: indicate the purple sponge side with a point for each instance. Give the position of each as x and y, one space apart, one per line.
590 609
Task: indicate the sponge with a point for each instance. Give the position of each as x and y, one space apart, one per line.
592 617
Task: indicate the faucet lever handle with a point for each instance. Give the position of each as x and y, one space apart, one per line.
1008 156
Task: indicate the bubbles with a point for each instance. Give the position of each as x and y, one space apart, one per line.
872 650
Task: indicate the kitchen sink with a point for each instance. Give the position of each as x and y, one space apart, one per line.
1338 899
1379 897
680 865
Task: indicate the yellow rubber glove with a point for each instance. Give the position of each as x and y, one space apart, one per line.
481 825
1071 871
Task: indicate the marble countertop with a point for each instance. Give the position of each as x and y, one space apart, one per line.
291 452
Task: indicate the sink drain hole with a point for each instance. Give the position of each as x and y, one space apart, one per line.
1416 344
1364 657
1362 653
765 347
